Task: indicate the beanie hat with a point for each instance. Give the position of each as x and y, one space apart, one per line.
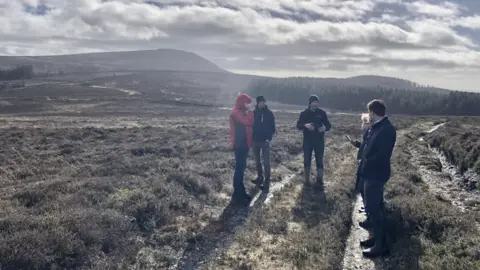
313 98
260 99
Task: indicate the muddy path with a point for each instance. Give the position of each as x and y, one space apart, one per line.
219 234
353 257
443 178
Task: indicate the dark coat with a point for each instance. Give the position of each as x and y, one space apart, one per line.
319 119
361 145
263 125
377 151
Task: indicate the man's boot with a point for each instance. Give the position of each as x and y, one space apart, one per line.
370 242
258 181
266 185
366 224
319 182
380 247
306 173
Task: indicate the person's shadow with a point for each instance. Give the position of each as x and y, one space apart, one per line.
311 206
405 248
219 234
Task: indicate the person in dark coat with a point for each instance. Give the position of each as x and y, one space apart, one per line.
314 123
241 123
375 171
360 145
263 131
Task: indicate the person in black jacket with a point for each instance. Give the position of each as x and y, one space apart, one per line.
263 131
375 170
360 145
314 123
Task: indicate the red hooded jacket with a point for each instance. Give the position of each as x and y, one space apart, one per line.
241 122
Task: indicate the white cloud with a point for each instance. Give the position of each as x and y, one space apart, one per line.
348 36
446 9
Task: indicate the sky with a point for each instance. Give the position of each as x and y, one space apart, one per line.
431 42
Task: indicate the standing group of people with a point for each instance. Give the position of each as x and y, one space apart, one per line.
253 126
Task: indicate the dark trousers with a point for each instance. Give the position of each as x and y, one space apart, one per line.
313 146
374 206
241 154
264 148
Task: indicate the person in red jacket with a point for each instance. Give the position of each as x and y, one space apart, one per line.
241 123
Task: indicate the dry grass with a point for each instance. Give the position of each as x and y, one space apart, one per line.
301 228
459 141
113 197
428 232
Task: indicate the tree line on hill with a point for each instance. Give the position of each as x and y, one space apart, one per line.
355 98
18 73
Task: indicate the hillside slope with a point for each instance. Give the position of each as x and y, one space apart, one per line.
161 59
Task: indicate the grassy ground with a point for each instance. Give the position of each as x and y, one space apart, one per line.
428 233
460 142
111 197
301 228
134 191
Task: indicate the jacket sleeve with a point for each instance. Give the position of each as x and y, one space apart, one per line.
274 129
246 120
326 122
301 122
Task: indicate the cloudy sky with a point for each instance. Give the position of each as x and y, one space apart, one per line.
433 42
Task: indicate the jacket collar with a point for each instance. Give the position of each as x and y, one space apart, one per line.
381 121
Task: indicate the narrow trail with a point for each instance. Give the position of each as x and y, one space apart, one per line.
127 91
219 234
447 183
353 258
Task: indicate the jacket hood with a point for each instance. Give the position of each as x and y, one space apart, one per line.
242 99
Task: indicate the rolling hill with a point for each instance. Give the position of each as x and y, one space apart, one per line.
161 59
183 61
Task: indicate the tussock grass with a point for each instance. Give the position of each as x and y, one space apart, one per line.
428 233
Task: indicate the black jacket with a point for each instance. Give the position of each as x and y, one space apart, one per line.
263 125
377 151
318 118
361 145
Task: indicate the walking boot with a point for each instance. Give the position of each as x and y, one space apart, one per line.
266 186
258 181
319 181
370 242
365 224
306 173
379 248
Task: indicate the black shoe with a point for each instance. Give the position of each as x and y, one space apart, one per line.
375 252
258 181
367 243
365 224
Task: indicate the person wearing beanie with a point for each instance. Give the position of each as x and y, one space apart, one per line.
263 131
314 123
241 123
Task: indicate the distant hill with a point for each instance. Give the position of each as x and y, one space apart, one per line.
183 61
161 59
